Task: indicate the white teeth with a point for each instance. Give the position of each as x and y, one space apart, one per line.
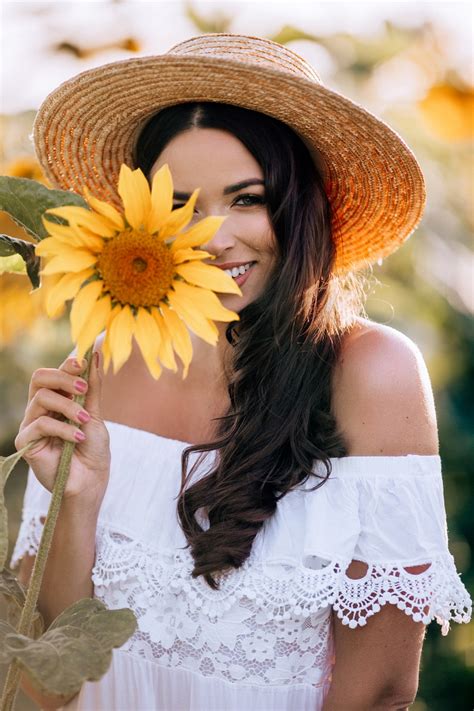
237 271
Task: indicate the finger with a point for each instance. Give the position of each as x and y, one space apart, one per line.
45 426
56 379
52 403
92 402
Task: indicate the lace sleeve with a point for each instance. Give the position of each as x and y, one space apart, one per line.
35 507
389 513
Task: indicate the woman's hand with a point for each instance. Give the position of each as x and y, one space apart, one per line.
50 399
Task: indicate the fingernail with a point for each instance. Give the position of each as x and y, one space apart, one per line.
80 436
83 416
80 386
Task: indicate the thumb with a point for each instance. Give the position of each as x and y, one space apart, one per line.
94 392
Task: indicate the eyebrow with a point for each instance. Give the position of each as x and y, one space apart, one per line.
229 189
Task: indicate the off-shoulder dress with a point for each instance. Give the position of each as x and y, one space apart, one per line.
264 640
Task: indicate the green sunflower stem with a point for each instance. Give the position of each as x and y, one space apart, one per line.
12 681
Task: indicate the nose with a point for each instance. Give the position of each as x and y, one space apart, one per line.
222 241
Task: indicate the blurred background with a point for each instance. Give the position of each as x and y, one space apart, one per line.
409 63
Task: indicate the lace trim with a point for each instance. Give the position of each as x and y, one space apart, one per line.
29 536
284 590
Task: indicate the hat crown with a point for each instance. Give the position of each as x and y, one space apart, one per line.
248 50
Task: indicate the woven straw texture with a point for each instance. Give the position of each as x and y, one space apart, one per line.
88 126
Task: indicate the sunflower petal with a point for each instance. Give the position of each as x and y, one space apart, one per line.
200 233
106 210
107 353
181 339
64 233
186 255
121 331
161 199
51 247
147 334
134 190
66 288
83 306
209 277
179 218
165 349
199 324
205 301
84 217
94 325
69 262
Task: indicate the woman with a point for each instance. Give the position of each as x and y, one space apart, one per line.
297 567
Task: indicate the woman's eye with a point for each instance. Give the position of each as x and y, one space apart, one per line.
254 199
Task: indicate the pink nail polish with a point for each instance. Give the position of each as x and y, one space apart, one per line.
83 416
80 436
80 386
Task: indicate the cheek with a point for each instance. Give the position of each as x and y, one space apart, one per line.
263 239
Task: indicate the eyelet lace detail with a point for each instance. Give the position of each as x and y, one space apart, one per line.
275 622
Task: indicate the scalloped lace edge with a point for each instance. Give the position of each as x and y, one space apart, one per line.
280 590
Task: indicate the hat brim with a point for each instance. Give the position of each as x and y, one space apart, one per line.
87 127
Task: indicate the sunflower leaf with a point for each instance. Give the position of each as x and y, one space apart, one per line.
14 594
77 647
26 250
26 200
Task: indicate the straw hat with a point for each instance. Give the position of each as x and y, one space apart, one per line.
88 126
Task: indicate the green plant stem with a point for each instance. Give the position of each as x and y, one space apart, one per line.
12 681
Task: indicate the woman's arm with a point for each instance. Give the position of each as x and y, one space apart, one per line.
67 576
384 403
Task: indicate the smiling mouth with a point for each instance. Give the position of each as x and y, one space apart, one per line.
236 272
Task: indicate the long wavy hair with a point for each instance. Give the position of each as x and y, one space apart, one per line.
285 346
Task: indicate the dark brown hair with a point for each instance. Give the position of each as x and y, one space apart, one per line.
285 345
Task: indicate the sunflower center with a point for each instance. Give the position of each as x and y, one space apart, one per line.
136 268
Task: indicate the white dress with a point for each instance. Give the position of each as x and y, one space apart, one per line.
264 641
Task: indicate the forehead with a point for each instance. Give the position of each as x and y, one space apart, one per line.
209 155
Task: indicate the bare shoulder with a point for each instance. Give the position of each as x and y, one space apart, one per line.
382 394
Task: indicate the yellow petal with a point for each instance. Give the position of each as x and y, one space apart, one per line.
134 190
181 339
147 335
63 233
161 198
83 306
179 218
51 246
86 218
106 210
94 325
165 349
204 301
87 238
121 331
70 262
198 323
202 232
186 255
209 277
107 353
66 288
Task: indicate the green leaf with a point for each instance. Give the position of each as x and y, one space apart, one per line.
14 593
26 250
6 466
13 264
76 648
26 200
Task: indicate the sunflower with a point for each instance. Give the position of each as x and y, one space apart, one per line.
136 274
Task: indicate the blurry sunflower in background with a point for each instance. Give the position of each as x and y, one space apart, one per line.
20 306
136 274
